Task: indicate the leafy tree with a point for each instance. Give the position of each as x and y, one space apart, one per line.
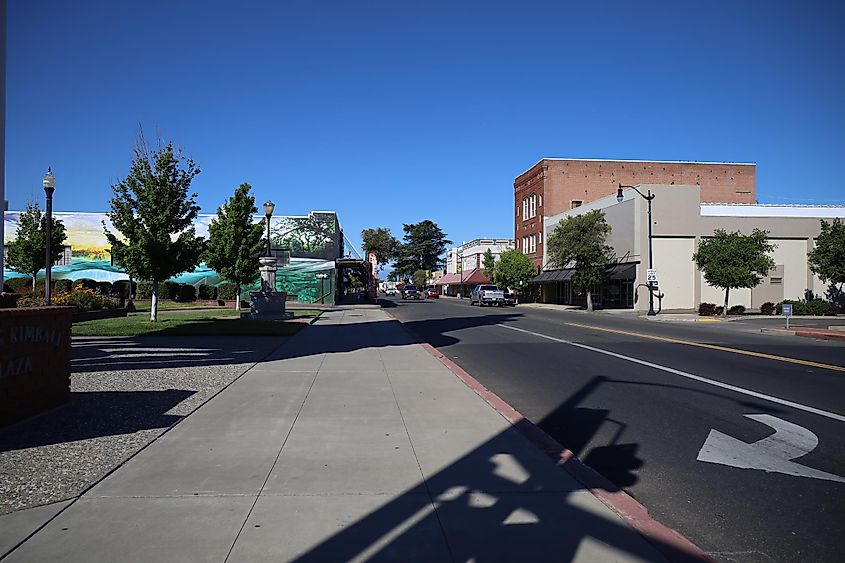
827 259
513 270
154 212
733 260
26 253
488 264
235 241
423 245
581 240
381 241
419 278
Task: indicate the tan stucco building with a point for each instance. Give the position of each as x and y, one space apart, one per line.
679 221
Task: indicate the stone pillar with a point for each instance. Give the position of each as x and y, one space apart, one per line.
268 273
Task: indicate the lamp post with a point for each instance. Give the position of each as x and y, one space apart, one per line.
49 187
269 206
461 264
648 198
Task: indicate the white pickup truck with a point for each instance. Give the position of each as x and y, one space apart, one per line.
487 294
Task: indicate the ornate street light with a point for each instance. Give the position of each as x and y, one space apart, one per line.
620 197
49 187
269 206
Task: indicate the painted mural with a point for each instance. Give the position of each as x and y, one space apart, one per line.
314 242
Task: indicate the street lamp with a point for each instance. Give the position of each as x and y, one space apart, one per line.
462 271
49 187
649 284
269 206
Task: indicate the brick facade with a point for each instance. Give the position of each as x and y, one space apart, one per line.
561 184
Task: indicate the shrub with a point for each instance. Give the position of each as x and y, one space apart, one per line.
207 292
85 300
187 293
144 290
169 290
63 285
17 284
6 288
84 283
719 310
706 309
120 288
226 291
815 307
767 308
736 310
31 299
104 288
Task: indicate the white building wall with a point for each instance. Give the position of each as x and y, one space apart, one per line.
792 254
675 272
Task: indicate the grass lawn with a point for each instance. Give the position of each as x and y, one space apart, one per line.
222 322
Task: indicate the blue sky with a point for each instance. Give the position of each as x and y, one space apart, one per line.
394 112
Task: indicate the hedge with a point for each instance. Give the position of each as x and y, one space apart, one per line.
226 291
207 292
187 293
814 307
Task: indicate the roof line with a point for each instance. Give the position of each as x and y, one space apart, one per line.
638 161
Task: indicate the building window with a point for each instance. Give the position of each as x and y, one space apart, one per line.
525 208
777 281
541 201
532 206
575 203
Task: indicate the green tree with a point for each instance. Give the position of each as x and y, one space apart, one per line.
419 278
381 241
513 270
421 249
827 259
488 264
235 241
733 260
580 241
26 253
154 213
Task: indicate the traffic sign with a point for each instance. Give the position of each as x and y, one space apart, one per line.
651 276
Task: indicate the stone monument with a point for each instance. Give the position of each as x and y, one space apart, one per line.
268 304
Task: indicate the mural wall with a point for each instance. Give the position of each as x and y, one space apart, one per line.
314 241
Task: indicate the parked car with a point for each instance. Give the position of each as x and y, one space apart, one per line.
410 292
487 294
431 292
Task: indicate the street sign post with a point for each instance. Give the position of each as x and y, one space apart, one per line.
787 312
651 277
322 276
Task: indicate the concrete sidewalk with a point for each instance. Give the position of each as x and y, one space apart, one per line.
350 443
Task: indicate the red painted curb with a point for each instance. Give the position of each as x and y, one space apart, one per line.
669 542
822 334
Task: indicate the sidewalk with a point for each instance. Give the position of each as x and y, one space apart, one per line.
349 443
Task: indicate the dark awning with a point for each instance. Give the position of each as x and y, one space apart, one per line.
613 272
622 271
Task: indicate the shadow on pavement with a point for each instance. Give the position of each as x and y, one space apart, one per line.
154 352
95 414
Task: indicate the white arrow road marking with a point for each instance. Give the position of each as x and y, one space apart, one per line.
772 453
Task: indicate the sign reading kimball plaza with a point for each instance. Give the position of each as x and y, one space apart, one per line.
34 361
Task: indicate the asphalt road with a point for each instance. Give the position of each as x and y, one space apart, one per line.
637 401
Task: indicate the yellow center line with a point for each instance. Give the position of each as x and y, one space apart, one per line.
715 347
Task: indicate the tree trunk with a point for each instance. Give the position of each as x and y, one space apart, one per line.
130 305
154 303
35 275
725 311
589 301
238 297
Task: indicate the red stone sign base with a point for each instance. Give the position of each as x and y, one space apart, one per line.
34 361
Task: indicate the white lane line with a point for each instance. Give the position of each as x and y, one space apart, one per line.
715 383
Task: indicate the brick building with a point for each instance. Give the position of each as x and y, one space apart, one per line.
556 185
